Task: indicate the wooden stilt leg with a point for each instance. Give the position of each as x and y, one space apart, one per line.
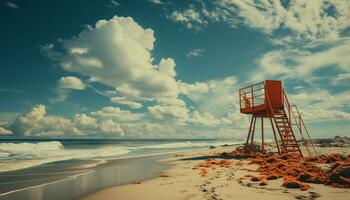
247 146
262 135
252 137
274 134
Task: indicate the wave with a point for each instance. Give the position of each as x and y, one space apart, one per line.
15 156
25 146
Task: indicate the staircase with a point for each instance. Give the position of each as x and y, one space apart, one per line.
284 124
289 142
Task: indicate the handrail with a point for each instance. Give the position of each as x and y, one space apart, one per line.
301 123
307 132
252 85
253 95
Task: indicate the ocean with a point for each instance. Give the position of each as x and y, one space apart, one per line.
31 166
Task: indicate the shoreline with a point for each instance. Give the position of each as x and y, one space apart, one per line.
184 180
113 172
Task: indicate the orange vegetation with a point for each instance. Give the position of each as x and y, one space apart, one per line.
295 170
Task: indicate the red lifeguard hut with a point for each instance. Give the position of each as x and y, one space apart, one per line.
268 100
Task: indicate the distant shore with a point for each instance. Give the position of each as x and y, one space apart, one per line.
190 178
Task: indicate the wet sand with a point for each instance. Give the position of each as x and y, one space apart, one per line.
73 181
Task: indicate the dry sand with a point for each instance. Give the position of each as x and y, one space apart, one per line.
184 181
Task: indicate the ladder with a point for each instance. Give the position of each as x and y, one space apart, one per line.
284 127
284 122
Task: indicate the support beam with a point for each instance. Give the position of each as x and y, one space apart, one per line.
249 133
275 136
262 135
252 137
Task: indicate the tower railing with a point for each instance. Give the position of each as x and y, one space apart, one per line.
295 119
252 96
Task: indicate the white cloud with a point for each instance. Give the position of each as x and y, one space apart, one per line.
125 101
295 63
12 5
84 121
190 17
36 123
321 105
111 127
71 82
4 131
193 53
342 79
158 2
188 89
116 113
304 19
113 4
206 119
287 22
171 111
117 53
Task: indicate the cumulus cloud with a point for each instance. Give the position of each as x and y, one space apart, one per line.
170 110
111 127
71 82
125 101
116 113
84 121
117 53
36 123
206 119
197 87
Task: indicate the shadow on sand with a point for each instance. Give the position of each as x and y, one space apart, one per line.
223 156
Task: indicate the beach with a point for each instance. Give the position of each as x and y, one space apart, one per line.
187 178
69 169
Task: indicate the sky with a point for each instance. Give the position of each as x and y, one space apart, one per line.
167 68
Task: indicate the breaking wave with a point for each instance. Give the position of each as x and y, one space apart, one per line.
15 156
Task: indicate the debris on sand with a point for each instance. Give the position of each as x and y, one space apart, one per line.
291 182
163 175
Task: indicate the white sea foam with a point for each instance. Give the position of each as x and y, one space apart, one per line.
14 156
25 146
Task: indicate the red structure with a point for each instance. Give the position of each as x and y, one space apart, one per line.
269 100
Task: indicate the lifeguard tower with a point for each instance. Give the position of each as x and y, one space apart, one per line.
268 100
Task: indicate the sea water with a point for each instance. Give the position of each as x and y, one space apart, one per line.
20 154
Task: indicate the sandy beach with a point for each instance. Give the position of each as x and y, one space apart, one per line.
225 178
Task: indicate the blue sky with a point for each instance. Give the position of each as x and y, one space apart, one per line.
168 69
